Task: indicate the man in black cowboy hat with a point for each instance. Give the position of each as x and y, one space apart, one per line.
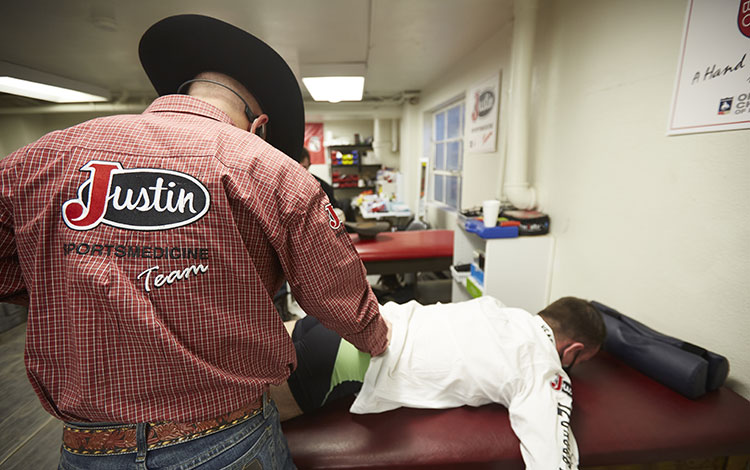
150 246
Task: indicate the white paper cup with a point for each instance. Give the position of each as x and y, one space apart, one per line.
490 211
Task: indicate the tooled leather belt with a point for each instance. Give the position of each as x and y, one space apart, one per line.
121 438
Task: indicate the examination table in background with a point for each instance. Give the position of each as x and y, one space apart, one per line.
406 252
620 417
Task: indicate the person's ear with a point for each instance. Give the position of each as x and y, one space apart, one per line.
570 353
258 123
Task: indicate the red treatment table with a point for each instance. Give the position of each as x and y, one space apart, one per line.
620 417
404 252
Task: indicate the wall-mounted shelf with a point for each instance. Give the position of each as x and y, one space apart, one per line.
343 147
367 165
353 171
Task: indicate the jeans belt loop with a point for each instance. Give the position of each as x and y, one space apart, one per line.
267 409
141 430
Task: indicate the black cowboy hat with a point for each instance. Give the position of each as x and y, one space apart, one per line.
178 48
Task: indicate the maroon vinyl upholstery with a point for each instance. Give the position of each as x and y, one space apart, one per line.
389 246
620 417
406 252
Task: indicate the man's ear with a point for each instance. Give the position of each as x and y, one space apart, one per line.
258 122
570 352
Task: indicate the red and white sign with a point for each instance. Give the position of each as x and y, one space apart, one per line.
712 89
314 142
482 104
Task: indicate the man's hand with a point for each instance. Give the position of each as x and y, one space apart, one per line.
388 335
390 332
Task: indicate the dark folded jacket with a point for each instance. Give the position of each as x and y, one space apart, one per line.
682 366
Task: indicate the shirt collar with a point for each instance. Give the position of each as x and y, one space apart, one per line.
548 333
546 329
187 104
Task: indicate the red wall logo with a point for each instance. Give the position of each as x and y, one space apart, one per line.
143 199
743 17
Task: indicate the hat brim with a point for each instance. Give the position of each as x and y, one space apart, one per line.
178 48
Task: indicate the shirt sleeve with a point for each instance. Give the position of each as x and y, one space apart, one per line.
540 415
11 280
324 271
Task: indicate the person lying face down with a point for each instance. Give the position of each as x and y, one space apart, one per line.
449 355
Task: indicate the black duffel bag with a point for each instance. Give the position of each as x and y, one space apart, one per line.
684 367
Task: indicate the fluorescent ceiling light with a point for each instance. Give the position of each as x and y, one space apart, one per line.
22 81
40 91
334 82
335 89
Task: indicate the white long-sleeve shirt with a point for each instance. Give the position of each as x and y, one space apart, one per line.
474 353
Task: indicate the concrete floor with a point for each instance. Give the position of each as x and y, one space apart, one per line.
29 437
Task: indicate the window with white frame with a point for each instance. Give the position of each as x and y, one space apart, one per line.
447 154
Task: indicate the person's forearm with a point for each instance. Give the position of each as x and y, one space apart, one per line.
374 338
325 273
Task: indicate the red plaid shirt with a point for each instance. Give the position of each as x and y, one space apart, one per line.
151 247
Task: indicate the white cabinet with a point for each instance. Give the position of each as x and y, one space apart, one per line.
517 271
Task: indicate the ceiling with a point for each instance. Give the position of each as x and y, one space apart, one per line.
406 44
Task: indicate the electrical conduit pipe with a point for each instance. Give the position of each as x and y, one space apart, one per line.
516 187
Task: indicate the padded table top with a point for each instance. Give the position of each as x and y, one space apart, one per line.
389 246
620 417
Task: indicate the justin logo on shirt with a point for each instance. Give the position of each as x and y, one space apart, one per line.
557 383
143 199
561 384
333 219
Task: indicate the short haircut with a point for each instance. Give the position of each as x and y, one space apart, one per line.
211 90
577 320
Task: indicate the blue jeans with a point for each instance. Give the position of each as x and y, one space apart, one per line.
256 444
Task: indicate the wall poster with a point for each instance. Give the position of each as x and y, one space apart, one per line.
314 142
482 103
712 88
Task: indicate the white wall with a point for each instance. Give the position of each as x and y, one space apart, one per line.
344 129
385 132
651 225
482 172
654 226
